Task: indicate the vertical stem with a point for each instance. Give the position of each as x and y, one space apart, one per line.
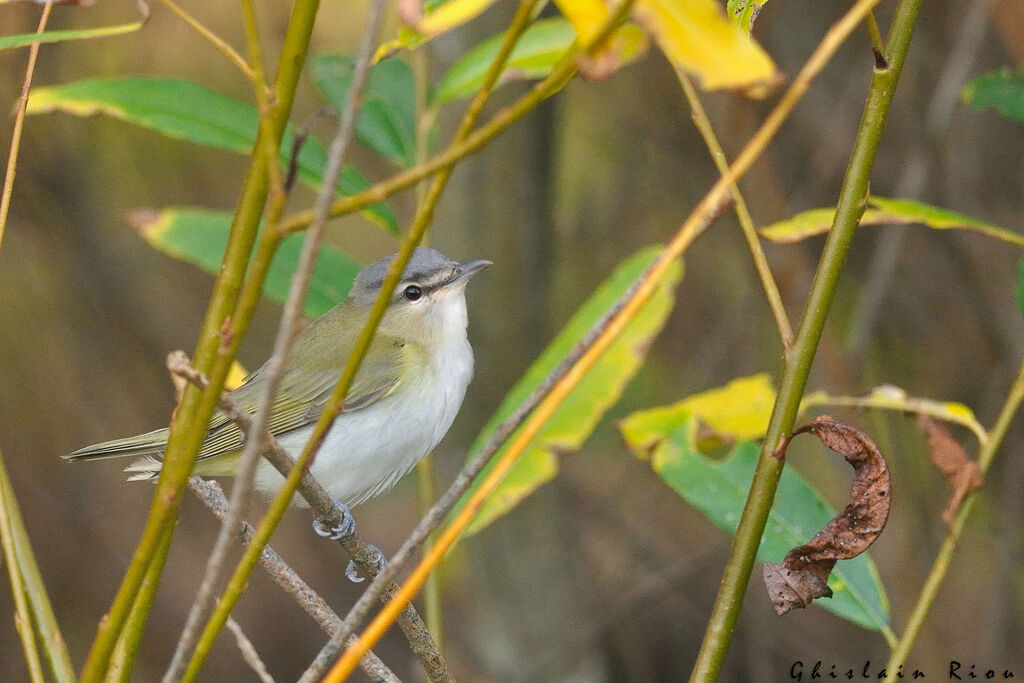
426 481
798 360
22 614
122 660
19 123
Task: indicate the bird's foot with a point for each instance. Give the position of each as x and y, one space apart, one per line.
345 527
378 560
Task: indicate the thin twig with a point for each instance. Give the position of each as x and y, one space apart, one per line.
764 271
219 43
940 566
367 558
249 654
561 74
645 287
19 123
8 506
210 493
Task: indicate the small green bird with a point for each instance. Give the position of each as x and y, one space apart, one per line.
402 402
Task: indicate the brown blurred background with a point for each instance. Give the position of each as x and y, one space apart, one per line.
604 574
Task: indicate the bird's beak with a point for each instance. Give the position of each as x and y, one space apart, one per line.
464 271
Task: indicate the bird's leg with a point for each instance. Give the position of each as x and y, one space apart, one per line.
378 560
336 529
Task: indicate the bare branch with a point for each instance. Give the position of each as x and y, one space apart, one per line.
249 654
366 557
210 493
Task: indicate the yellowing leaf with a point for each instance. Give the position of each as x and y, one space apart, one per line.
449 15
586 16
235 376
422 24
596 393
885 211
888 397
696 36
738 411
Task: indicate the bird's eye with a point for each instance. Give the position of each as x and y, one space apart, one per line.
412 293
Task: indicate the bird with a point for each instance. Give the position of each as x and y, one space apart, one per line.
402 401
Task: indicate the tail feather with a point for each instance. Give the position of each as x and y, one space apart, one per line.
150 444
145 468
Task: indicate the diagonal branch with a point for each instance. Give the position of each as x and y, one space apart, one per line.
209 492
637 296
366 558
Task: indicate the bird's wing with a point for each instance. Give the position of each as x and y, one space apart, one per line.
302 396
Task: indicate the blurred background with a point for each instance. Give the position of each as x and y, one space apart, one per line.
604 574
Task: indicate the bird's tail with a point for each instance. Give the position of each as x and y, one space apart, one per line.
146 448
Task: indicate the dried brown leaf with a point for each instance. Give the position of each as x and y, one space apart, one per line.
949 457
802 575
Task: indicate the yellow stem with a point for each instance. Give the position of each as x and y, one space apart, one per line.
219 43
694 225
771 290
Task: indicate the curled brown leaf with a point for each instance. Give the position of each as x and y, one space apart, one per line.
803 574
949 457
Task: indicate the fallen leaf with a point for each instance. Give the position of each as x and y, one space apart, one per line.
802 575
948 455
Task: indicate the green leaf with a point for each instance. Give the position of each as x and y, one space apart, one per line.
200 236
1002 89
535 54
886 212
743 12
718 488
188 111
26 39
537 51
596 393
387 119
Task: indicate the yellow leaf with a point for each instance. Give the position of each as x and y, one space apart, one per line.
586 16
889 397
696 36
235 376
738 411
449 15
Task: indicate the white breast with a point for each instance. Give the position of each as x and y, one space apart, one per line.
367 451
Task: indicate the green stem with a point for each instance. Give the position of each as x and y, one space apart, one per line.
31 581
797 361
211 357
764 271
560 75
122 660
940 566
22 615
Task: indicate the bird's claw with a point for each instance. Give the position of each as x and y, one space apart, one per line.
352 570
336 532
